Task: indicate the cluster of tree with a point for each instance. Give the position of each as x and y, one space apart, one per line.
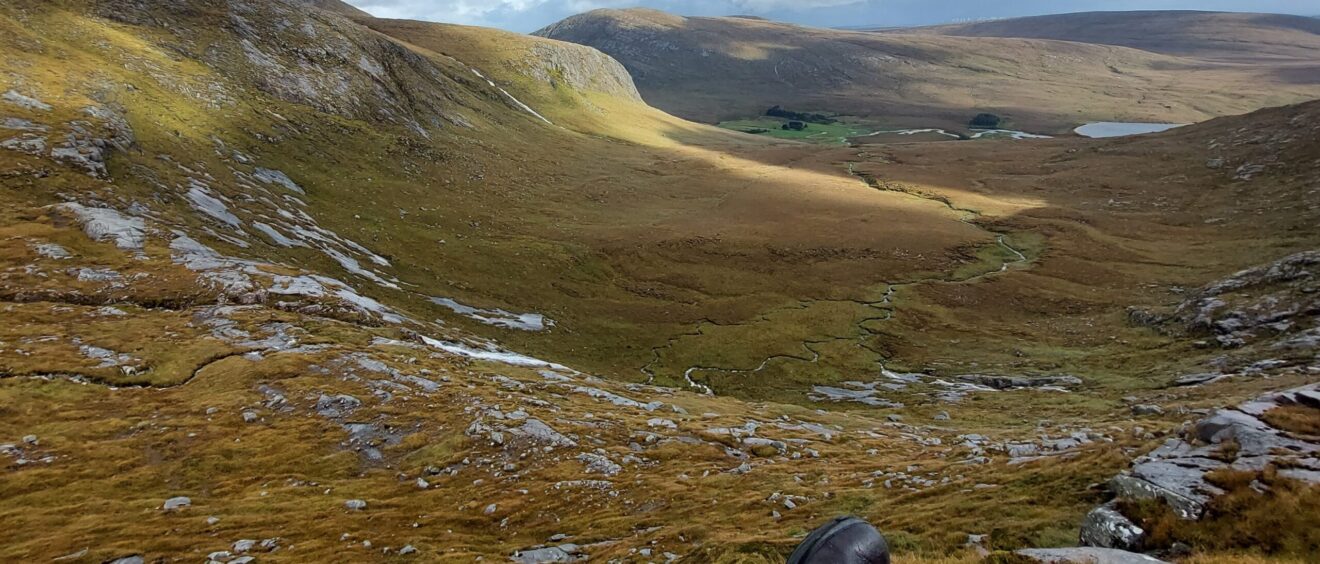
794 126
986 121
780 112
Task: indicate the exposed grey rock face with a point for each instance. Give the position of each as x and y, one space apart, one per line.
760 443
19 124
24 101
1105 527
863 396
617 399
52 251
26 143
581 68
537 431
176 503
1274 301
599 464
1013 382
562 553
1086 555
106 224
1198 379
276 177
81 148
337 406
1175 472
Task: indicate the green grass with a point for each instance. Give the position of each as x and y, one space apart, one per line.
832 134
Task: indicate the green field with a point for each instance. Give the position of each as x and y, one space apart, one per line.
832 134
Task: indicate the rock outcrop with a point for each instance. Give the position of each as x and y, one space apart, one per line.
1233 439
1086 555
1278 301
1106 527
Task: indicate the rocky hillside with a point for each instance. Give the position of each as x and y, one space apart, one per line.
1211 35
722 68
571 83
282 283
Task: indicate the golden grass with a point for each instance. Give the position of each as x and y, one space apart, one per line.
632 230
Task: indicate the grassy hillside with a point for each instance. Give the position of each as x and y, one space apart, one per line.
714 69
1237 37
382 291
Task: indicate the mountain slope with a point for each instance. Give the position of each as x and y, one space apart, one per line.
287 285
719 68
1210 35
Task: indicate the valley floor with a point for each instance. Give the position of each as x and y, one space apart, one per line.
378 308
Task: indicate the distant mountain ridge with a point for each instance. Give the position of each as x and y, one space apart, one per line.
1216 35
710 69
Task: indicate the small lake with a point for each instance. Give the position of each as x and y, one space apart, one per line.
1104 129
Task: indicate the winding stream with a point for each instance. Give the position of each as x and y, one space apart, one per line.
885 306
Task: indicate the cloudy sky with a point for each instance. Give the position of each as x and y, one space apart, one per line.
529 15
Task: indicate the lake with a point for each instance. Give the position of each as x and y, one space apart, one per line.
1104 129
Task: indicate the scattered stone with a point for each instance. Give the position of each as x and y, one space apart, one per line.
177 503
52 251
491 509
537 431
355 505
562 553
337 406
134 559
662 423
1147 410
765 447
243 546
1198 379
599 464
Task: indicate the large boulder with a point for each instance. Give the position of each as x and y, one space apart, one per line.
1105 527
